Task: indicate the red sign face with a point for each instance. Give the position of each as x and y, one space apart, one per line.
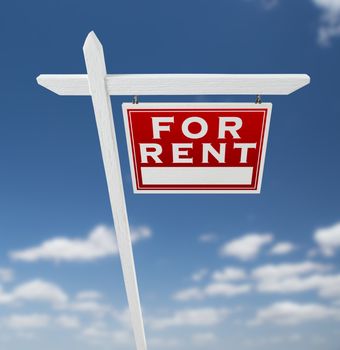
197 148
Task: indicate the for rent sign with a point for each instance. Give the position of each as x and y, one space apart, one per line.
197 148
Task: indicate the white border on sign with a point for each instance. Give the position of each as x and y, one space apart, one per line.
211 105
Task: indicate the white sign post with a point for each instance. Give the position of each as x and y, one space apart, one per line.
96 70
100 85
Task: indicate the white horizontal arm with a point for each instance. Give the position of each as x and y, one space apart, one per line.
179 84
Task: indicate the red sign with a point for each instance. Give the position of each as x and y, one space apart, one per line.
197 147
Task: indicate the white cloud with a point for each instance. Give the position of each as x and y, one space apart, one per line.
246 247
312 253
229 274
26 334
204 338
328 239
121 336
282 248
329 26
280 271
85 302
99 331
326 285
31 321
297 278
88 295
207 238
329 286
218 288
226 289
289 313
67 321
36 290
95 330
99 243
6 275
272 340
272 278
212 290
166 342
189 294
89 306
200 317
199 275
123 317
330 20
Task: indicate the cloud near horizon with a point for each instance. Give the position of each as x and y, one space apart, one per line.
202 317
6 275
279 279
328 239
35 290
99 243
289 313
246 247
282 248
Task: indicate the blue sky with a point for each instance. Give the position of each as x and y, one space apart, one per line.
221 271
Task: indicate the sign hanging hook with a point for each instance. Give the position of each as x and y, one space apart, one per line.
258 99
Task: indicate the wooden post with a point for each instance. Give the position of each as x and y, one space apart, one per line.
178 84
96 70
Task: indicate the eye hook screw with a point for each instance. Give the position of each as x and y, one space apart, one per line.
135 100
258 99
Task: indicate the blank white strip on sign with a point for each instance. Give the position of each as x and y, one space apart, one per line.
197 175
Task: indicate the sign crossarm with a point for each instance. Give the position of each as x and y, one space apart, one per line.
179 84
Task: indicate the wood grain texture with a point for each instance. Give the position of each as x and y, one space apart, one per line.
95 64
180 84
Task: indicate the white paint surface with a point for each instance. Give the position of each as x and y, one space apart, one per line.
197 175
95 65
179 84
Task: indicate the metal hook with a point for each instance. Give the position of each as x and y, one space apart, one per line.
258 99
135 100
